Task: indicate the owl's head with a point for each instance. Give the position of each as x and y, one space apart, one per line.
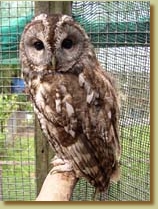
55 43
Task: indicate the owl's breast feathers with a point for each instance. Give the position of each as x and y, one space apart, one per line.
79 115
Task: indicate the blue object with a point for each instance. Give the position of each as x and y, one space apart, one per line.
17 85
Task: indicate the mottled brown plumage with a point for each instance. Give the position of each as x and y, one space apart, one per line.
74 98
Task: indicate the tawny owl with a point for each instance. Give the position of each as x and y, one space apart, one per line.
75 100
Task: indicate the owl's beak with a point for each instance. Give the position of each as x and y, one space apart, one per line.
53 63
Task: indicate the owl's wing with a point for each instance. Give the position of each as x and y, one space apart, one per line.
100 126
99 117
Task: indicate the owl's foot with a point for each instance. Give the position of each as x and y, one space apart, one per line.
60 165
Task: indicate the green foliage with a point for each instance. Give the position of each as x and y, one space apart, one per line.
7 72
19 178
11 103
8 104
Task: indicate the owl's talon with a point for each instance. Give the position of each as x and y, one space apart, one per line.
57 161
60 165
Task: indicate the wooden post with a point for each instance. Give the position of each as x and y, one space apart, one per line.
42 156
52 7
1 197
43 151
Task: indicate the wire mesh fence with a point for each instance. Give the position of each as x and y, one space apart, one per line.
17 156
120 33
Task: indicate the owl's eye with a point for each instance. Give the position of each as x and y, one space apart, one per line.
39 45
67 43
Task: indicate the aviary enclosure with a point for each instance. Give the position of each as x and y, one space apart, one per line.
120 33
